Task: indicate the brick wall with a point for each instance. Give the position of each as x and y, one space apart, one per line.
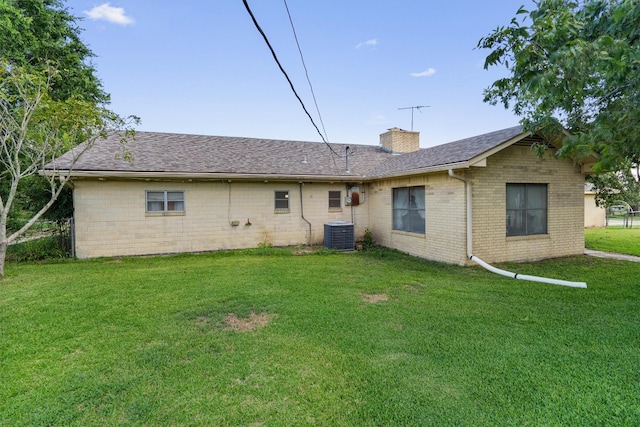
110 217
445 204
400 141
444 239
565 192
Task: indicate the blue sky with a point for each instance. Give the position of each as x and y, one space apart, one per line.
201 67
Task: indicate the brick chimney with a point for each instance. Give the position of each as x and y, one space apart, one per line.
400 141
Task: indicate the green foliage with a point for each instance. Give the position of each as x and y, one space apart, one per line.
367 240
145 341
612 188
41 34
51 100
36 129
576 64
37 250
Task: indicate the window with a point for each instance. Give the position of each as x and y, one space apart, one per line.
282 200
526 209
335 199
408 209
165 201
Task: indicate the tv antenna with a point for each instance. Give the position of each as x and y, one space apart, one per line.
417 107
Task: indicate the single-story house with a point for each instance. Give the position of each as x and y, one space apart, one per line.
594 215
489 195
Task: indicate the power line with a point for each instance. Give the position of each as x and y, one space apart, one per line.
275 57
306 72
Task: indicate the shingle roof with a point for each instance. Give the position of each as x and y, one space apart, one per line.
446 154
166 153
185 154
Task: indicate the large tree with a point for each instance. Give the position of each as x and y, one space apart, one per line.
575 64
50 101
39 34
35 129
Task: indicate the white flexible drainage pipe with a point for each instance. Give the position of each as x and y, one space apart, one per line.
527 277
467 187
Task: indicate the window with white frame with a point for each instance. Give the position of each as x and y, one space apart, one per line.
282 200
335 199
527 208
165 201
409 209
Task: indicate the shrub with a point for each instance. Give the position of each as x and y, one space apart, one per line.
367 240
37 250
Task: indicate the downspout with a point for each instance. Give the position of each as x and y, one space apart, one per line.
467 187
302 214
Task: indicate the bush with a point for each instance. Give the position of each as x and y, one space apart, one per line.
367 240
37 250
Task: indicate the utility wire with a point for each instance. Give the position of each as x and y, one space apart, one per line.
306 72
275 57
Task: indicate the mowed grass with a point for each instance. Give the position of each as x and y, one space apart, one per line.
613 239
370 338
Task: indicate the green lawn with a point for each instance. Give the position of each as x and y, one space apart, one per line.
613 239
270 337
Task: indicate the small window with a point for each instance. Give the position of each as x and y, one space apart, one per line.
282 200
408 209
165 201
526 209
335 199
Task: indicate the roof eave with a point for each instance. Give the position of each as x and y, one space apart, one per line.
480 158
203 176
423 171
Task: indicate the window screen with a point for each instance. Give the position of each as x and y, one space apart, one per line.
526 209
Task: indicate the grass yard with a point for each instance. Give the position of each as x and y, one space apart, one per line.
613 239
270 337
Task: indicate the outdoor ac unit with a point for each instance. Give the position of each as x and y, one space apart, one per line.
339 235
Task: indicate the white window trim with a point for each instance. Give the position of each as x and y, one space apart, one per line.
165 211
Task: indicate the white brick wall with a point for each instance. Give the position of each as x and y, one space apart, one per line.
111 220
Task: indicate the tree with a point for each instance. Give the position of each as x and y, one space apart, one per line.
612 188
574 65
35 129
38 34
50 101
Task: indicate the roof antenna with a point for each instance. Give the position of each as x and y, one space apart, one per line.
417 107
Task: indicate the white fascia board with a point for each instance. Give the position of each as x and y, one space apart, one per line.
197 176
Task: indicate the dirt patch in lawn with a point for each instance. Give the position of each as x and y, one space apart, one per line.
374 298
244 324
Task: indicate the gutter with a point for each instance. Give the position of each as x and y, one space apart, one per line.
302 214
467 187
161 176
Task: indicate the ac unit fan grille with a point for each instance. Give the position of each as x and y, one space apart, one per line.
339 235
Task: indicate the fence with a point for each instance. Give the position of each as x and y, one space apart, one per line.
60 232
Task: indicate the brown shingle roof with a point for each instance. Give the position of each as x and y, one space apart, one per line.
445 154
166 153
187 154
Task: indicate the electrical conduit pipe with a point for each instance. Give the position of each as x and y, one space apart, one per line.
467 187
302 214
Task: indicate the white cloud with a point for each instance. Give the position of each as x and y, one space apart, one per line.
106 12
426 73
368 43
